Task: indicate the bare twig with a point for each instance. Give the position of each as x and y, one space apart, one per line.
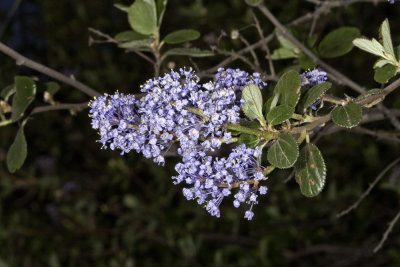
334 74
387 232
264 45
63 106
23 61
371 186
109 39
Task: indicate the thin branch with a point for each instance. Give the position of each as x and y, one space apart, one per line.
335 75
325 8
371 186
63 106
109 39
379 135
387 232
264 45
23 61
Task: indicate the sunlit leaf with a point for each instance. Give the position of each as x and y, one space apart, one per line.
253 107
384 33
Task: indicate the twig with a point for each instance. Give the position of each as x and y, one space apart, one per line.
371 186
109 39
387 232
264 45
23 61
379 135
326 7
72 106
335 75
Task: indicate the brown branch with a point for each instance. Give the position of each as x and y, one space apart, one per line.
109 39
333 73
371 186
23 61
63 106
387 232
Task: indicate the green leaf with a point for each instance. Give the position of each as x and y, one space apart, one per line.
253 2
7 92
248 124
127 36
192 52
136 44
285 43
306 62
384 33
25 93
368 93
284 152
16 155
279 114
52 87
383 74
310 171
289 88
251 124
338 42
312 40
347 116
253 107
181 36
382 62
249 140
371 46
314 93
283 53
161 6
397 52
122 7
267 106
142 16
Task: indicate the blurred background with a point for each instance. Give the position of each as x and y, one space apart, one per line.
73 204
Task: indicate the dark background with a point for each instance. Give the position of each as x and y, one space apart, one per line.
73 204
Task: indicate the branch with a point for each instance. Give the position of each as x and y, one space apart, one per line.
23 61
109 39
378 178
72 106
387 232
335 75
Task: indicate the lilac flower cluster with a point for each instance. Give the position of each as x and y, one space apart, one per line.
178 109
313 77
212 179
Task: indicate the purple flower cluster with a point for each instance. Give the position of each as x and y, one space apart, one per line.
212 179
313 77
177 108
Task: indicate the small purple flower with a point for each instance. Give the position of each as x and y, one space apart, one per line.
313 77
